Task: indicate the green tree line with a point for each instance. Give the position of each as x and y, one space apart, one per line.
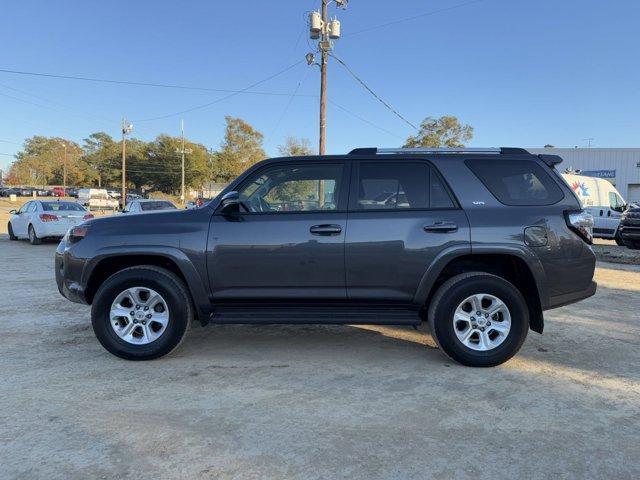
156 165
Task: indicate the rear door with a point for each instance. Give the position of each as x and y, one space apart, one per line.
289 243
401 216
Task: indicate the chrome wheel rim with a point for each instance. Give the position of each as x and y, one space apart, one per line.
139 315
482 322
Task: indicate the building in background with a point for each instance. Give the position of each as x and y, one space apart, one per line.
621 166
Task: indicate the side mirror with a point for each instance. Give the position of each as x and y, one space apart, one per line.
13 212
230 203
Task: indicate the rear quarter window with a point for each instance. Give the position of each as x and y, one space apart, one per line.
516 182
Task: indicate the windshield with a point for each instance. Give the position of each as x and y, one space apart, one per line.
61 207
149 206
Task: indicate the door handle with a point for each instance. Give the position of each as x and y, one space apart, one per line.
326 229
441 227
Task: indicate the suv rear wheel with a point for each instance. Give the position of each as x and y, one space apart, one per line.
141 313
479 319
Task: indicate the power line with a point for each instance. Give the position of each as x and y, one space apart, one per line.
286 108
355 115
361 82
208 104
407 19
141 84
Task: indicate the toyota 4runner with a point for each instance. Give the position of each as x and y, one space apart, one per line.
475 242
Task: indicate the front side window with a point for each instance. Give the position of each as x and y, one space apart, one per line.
400 185
24 207
516 182
293 188
615 202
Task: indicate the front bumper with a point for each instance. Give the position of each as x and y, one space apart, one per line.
572 297
67 269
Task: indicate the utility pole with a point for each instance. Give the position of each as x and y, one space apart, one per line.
324 30
182 151
126 129
64 169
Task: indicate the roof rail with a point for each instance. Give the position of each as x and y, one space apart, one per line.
382 151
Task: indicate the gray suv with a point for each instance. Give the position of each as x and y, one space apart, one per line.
475 242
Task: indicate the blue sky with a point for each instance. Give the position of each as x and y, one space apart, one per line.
521 73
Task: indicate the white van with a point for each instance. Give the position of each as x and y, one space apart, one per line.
601 199
96 198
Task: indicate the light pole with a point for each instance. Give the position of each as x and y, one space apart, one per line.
126 129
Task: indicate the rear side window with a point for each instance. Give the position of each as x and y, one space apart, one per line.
150 206
400 185
516 182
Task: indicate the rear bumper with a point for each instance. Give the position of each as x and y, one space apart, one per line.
51 229
572 297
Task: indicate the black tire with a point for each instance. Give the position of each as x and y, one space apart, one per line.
169 286
33 238
452 293
618 238
11 234
632 245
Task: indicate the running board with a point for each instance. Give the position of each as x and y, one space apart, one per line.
315 314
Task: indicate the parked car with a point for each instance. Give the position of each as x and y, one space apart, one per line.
486 242
38 219
72 192
26 191
601 199
629 231
96 198
7 191
58 192
142 205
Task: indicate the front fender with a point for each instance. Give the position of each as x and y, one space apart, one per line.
196 285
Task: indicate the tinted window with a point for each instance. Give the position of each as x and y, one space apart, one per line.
61 207
517 182
150 206
293 188
400 185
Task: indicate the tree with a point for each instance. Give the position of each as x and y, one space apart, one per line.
160 166
102 155
42 161
445 131
294 147
241 148
548 145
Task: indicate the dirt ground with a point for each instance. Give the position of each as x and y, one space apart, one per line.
278 402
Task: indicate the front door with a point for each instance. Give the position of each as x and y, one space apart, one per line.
287 243
401 217
21 220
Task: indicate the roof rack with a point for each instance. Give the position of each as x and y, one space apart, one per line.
432 151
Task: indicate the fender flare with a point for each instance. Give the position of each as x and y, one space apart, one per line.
449 254
196 285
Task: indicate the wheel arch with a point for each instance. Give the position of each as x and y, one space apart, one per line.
511 265
105 264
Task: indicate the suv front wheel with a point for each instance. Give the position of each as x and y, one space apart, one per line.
141 313
479 319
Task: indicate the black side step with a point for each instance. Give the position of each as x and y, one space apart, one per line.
315 314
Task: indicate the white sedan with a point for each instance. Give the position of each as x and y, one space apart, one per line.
38 219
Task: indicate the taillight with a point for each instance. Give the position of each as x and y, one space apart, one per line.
88 216
48 217
76 234
581 223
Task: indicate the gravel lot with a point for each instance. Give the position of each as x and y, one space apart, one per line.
311 401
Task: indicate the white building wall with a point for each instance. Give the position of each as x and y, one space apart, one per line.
625 161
